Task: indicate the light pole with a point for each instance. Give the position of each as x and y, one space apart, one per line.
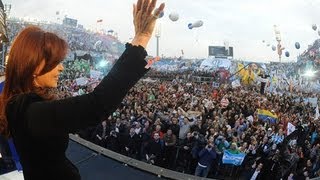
278 38
157 35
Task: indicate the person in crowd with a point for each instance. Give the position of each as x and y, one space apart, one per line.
101 134
256 171
184 152
278 137
133 144
158 130
154 150
38 123
185 125
174 126
206 157
170 141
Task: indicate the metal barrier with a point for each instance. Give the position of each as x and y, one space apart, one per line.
127 161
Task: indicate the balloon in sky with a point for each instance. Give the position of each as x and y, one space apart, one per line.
195 24
287 54
174 16
314 27
273 48
297 45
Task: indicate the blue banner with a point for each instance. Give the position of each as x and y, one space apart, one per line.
235 159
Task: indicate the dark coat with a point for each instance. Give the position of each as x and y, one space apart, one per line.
40 128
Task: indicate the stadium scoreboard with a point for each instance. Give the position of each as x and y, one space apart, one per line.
220 51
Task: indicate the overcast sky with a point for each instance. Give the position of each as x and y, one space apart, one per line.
243 23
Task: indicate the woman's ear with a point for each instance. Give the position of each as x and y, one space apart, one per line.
39 68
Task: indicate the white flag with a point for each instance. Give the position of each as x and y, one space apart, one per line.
290 128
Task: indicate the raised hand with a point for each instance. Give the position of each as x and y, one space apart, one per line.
144 20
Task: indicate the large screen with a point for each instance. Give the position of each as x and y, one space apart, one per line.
70 22
220 51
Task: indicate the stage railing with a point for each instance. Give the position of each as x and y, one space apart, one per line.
127 161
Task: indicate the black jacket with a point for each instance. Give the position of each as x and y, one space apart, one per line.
40 128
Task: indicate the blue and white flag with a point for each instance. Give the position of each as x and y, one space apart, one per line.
235 159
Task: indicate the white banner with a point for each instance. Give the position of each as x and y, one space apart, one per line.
95 74
236 83
82 81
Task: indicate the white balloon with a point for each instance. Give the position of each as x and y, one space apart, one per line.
174 16
195 24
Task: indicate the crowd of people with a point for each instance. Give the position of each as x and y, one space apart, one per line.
187 126
170 124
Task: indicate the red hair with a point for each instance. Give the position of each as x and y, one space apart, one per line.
28 50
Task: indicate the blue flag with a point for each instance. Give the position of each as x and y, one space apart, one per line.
235 159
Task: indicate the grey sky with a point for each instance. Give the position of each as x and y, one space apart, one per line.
244 23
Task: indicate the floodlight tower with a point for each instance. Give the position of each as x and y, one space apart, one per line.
278 38
157 35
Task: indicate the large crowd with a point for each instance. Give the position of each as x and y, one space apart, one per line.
170 123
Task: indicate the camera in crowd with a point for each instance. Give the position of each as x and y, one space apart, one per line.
113 133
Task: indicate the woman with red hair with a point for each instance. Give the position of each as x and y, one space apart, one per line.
37 121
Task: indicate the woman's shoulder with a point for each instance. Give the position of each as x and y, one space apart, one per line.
24 98
19 103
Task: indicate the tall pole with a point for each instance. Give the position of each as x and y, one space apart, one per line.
158 38
278 38
157 35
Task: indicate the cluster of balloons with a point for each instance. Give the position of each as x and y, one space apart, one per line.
175 17
297 44
287 53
